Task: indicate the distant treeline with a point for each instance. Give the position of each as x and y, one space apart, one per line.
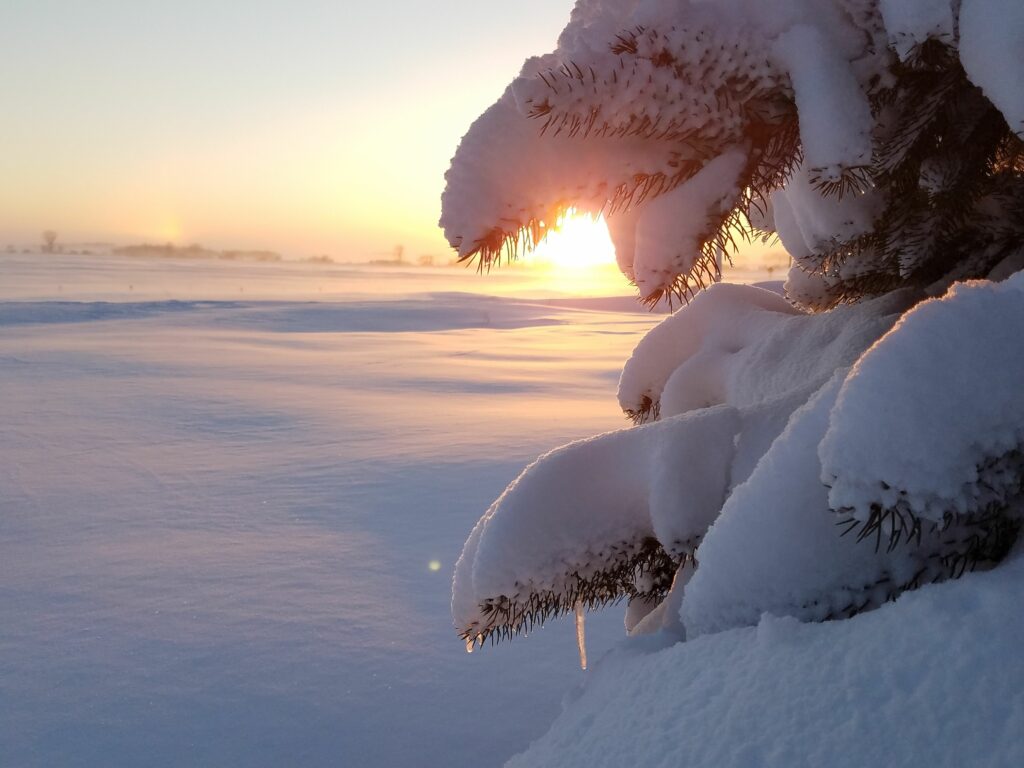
194 251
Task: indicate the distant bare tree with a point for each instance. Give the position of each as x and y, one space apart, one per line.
49 238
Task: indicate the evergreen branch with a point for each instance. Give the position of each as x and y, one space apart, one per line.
649 410
984 534
853 180
948 168
608 577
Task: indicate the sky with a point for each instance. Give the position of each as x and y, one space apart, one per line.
305 127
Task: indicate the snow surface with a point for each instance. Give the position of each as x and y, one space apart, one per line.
223 486
932 680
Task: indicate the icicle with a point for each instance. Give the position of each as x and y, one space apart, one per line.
581 636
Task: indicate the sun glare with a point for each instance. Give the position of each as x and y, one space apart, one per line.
168 229
576 241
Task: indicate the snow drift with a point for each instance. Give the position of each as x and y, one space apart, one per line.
930 681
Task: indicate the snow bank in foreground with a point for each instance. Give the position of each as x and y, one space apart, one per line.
932 680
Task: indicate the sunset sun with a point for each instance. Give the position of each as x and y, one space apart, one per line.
576 241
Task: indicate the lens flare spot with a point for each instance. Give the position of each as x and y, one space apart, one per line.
434 565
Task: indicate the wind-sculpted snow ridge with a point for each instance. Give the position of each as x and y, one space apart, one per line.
52 312
691 124
745 393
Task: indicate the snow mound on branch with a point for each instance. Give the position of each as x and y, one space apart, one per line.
910 23
930 680
809 223
835 117
717 323
744 345
929 422
585 509
553 173
774 547
946 389
670 229
808 220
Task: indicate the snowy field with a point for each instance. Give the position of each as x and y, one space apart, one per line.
230 514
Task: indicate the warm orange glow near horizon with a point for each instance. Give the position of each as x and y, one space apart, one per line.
274 133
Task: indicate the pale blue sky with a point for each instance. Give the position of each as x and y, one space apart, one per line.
306 127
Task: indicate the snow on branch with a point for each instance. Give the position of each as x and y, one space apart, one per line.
907 470
615 516
716 325
594 522
944 387
791 482
904 114
743 345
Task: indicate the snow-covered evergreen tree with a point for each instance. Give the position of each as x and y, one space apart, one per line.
881 140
